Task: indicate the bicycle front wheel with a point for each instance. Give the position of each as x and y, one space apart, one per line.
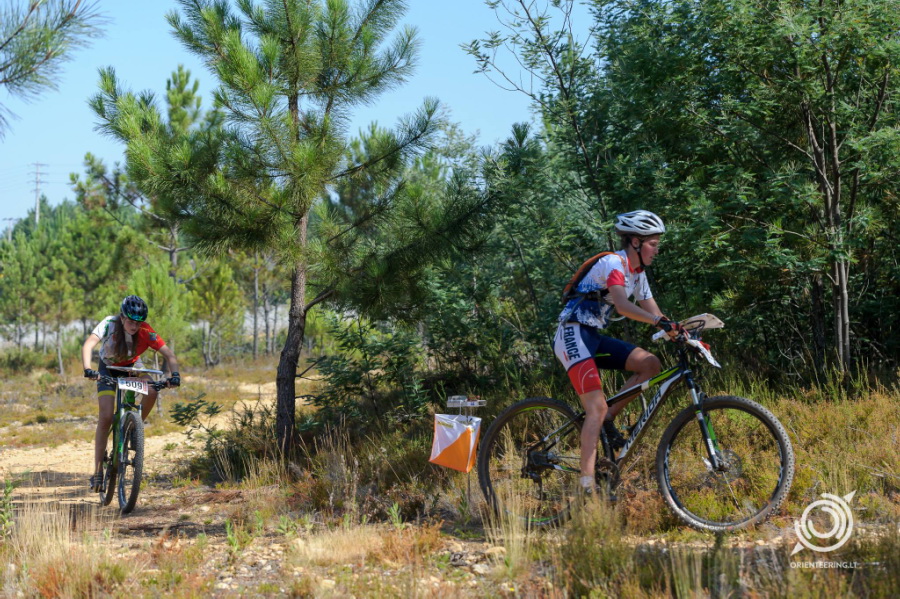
108 470
756 465
131 462
528 465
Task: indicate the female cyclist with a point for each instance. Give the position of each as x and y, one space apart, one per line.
122 338
582 348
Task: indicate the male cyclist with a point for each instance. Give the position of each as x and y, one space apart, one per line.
122 338
582 348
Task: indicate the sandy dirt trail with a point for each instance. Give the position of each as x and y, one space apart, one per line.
60 474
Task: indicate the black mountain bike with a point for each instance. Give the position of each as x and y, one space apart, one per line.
724 463
123 462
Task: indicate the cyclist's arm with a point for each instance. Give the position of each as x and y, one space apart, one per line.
650 306
87 350
630 310
171 360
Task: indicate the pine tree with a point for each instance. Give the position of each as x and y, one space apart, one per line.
36 38
184 127
217 303
290 74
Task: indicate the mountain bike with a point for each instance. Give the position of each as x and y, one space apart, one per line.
723 463
123 461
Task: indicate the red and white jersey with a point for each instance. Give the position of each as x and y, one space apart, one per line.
613 269
145 338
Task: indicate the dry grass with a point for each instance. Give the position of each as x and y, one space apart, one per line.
324 515
410 544
847 445
49 557
39 409
175 564
511 529
341 546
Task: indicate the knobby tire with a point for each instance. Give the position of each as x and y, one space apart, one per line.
131 462
108 470
754 480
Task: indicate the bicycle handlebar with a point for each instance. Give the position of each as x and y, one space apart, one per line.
660 335
110 380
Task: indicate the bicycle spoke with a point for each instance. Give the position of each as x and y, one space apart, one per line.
733 496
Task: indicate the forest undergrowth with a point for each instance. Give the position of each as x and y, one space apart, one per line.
356 502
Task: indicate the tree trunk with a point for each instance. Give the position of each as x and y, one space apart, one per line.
274 326
820 344
290 354
840 305
19 331
62 371
256 305
267 344
173 252
204 345
843 289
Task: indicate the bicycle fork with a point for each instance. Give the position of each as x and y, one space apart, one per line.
709 436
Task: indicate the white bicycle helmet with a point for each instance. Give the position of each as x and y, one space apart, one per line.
639 222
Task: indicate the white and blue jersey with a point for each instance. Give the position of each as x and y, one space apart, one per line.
610 270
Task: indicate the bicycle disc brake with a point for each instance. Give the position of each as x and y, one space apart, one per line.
731 468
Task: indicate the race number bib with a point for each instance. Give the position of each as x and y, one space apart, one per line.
137 385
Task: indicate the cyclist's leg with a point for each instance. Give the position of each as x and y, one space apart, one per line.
106 400
644 366
594 404
148 401
615 354
147 404
573 347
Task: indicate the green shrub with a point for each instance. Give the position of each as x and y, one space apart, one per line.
372 378
22 361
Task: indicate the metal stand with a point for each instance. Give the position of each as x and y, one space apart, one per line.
468 405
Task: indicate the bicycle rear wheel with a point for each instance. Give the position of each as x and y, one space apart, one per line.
528 465
131 462
756 472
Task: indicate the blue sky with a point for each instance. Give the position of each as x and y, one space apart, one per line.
57 128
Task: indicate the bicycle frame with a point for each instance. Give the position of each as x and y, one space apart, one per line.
123 405
666 381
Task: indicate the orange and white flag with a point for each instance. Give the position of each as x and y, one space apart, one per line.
455 440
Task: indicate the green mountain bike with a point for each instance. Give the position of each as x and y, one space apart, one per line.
724 463
123 462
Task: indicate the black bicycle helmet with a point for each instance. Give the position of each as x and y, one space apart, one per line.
134 308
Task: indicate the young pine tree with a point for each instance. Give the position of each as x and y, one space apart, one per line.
290 73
